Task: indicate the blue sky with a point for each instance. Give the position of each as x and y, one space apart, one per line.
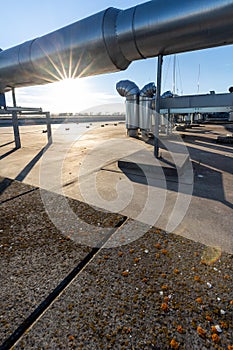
27 19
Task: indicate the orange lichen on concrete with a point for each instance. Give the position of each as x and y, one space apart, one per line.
213 329
164 307
158 245
197 278
199 300
174 344
164 287
180 329
215 338
201 331
208 318
224 325
125 273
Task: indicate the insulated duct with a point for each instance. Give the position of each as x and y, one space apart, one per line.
145 108
110 40
130 91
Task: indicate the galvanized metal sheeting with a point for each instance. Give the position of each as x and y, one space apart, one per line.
127 88
149 90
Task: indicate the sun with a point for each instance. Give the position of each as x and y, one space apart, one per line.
71 95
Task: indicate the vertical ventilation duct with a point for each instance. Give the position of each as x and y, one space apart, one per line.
147 94
130 91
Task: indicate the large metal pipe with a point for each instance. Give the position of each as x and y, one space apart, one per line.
108 41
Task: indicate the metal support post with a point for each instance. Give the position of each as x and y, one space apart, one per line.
13 97
15 122
191 118
157 106
168 122
49 130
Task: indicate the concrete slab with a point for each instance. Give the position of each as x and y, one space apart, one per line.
182 207
168 165
24 163
35 254
10 189
82 164
150 294
147 289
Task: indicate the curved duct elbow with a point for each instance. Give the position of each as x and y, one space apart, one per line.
127 88
167 94
149 90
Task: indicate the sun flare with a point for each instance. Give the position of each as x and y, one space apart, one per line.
71 86
71 95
